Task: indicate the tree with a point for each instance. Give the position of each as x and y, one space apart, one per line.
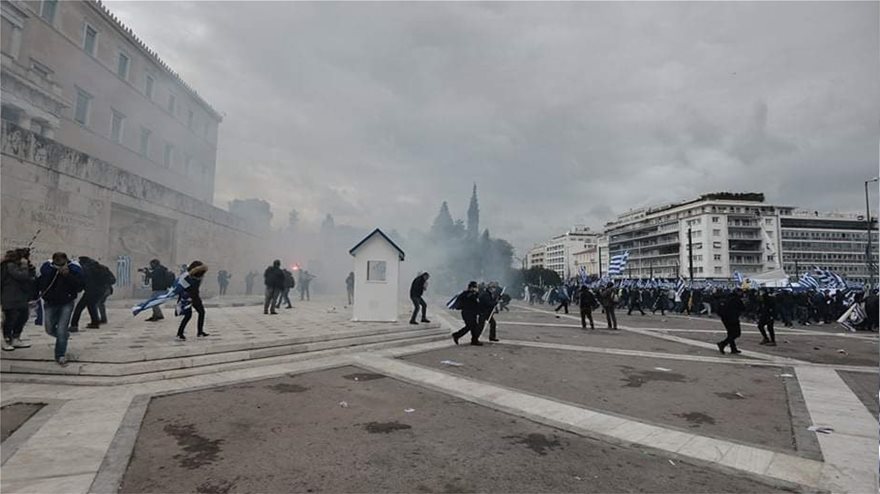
541 276
473 216
443 224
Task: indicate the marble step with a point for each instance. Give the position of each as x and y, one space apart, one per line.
12 368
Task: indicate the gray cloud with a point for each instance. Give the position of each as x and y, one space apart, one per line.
562 112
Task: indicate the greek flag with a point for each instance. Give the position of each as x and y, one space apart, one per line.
830 279
454 299
854 316
808 281
679 287
738 277
180 284
617 264
582 272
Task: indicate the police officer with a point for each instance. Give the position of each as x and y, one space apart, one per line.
488 299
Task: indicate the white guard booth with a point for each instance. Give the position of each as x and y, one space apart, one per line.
376 278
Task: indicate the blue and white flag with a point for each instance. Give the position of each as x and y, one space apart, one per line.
180 284
830 279
679 287
454 299
582 272
738 277
617 264
808 281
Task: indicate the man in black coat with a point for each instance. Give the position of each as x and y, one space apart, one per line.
416 290
586 301
766 316
160 279
488 299
94 290
729 311
273 277
469 305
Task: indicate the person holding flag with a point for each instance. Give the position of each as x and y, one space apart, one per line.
468 303
188 298
488 299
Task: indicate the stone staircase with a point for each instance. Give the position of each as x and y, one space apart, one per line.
206 356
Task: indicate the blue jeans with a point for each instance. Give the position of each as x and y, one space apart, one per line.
56 320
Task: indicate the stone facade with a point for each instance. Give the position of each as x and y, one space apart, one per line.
84 206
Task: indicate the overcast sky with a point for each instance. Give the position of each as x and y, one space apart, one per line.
561 113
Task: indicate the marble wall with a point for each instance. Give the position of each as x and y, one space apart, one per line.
84 206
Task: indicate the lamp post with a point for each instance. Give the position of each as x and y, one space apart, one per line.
869 261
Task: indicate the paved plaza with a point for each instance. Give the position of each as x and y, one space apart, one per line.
652 407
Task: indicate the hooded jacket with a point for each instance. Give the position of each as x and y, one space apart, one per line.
58 289
16 285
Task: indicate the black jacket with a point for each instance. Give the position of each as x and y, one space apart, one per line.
468 302
17 284
274 277
487 301
159 278
417 289
58 289
586 299
731 308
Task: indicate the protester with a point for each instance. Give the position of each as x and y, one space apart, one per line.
223 280
729 311
305 279
160 279
17 288
766 314
60 281
95 284
563 299
416 290
488 300
108 279
273 277
289 283
468 303
586 302
635 301
189 299
249 282
607 299
349 287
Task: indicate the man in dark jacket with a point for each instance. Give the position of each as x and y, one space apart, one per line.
349 287
766 315
160 280
606 298
730 310
586 301
92 293
635 301
60 281
469 305
107 280
488 299
17 282
273 277
289 283
416 290
223 278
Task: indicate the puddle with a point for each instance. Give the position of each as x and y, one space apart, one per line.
536 442
385 427
363 376
635 379
697 418
199 450
287 388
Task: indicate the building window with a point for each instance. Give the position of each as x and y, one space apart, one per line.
716 233
716 245
169 155
717 269
189 119
715 219
148 87
172 103
41 70
376 270
145 142
717 257
47 10
90 40
83 103
117 126
122 67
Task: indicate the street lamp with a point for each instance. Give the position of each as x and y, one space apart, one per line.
868 258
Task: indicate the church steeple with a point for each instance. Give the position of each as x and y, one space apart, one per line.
473 216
